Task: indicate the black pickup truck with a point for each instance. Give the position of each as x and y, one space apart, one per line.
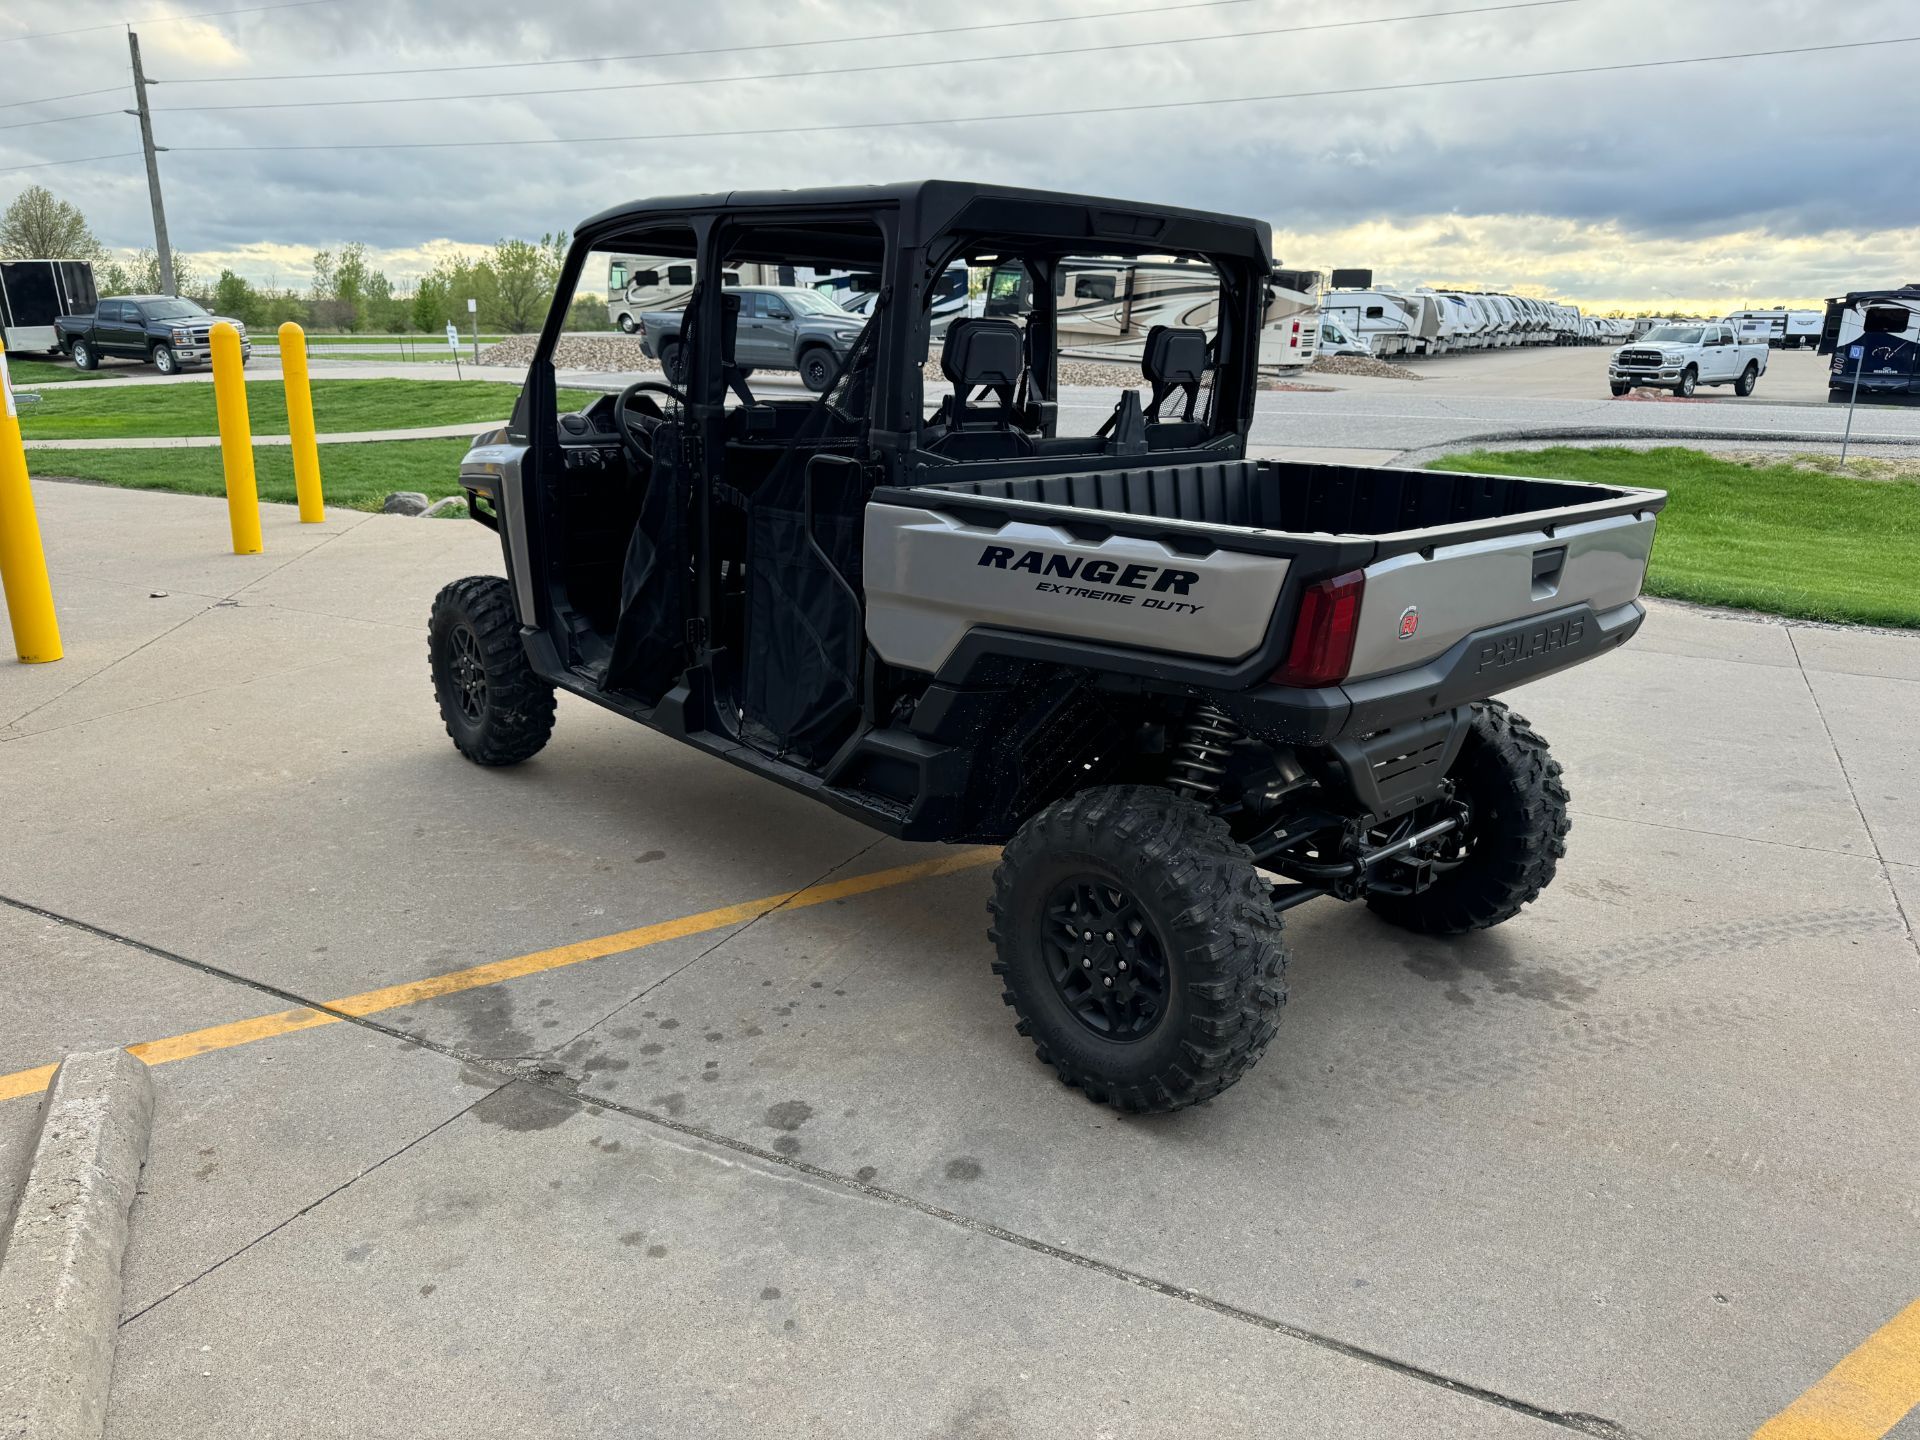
170 331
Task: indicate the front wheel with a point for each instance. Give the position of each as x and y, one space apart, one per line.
1514 838
1139 947
673 361
626 324
1618 389
1689 380
497 711
1749 377
817 369
163 360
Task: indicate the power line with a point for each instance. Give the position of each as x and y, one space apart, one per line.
165 20
942 63
60 119
1065 113
723 49
70 95
76 160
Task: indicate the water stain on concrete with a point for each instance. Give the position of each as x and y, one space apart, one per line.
788 1145
205 1172
524 1108
656 1251
1503 974
604 1063
965 1167
354 1254
633 1237
647 857
669 1024
772 1292
788 1114
627 1032
712 1035
652 1047
674 1104
753 1032
865 1174
486 1014
606 1147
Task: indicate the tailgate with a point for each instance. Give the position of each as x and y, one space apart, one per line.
1420 604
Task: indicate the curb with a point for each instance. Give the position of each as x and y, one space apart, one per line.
60 1257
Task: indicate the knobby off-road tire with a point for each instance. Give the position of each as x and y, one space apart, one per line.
497 711
818 368
1517 831
1198 960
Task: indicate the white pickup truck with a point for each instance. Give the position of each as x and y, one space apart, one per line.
1681 358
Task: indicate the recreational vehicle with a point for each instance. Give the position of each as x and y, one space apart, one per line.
1104 308
1387 322
639 283
35 293
1781 329
1884 325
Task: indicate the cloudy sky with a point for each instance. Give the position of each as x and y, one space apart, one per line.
1782 178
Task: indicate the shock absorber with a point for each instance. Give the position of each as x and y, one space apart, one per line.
1199 761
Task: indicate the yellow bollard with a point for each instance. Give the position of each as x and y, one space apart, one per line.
306 451
236 441
23 564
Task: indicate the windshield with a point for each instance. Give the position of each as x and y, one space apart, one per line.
1331 331
810 302
1675 334
172 309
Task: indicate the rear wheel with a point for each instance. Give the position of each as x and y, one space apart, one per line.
83 356
1749 377
497 711
163 360
817 369
1139 947
1689 380
1515 835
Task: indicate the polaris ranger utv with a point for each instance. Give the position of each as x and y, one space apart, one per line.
1185 689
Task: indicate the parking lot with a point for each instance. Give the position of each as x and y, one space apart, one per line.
622 1093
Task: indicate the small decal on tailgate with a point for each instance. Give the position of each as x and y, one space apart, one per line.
1531 644
1409 622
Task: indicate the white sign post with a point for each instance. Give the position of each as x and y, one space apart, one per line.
473 319
1857 354
453 344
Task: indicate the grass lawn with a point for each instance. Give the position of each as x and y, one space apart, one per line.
338 405
1779 537
45 372
353 477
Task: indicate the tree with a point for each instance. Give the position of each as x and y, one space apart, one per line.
232 295
37 226
526 275
144 277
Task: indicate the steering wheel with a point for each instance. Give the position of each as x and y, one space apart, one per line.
623 418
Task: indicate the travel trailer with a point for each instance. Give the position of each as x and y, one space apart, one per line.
854 291
1385 321
639 283
1885 326
1105 308
1781 329
35 293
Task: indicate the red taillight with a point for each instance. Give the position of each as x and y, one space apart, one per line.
1323 633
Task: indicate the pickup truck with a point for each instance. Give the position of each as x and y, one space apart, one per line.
1681 358
1160 672
168 330
781 328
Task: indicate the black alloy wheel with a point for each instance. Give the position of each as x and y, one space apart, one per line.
467 673
1105 958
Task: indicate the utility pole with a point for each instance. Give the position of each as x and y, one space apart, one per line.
160 246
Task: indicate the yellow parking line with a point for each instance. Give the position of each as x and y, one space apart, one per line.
393 997
1865 1395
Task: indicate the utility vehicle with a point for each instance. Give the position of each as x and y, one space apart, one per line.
1184 689
1683 357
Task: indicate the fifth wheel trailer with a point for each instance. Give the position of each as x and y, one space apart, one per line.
35 293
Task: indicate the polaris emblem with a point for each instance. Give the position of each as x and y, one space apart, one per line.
1409 622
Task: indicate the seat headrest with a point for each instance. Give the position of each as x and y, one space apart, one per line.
1175 356
979 351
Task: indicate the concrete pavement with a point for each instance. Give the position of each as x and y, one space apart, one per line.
1644 1154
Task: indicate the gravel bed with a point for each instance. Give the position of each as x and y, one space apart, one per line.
1360 365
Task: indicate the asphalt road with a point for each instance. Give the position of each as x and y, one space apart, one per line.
623 1093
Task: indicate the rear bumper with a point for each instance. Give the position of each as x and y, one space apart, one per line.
1486 663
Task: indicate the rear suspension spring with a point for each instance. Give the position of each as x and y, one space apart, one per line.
1199 759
